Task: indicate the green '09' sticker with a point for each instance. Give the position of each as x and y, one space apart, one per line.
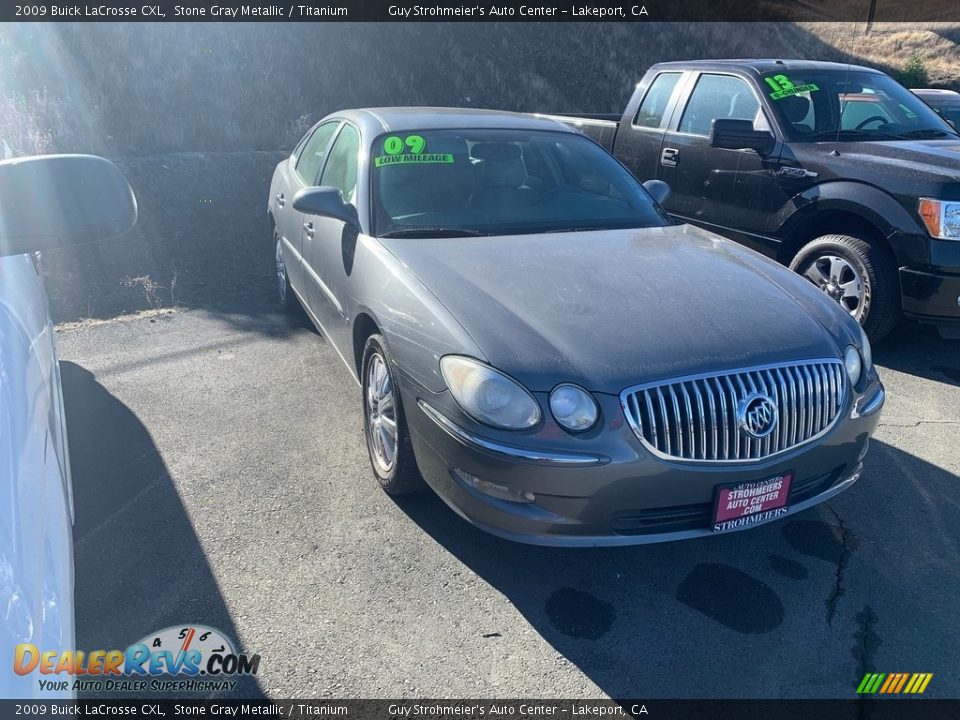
424 159
785 87
394 145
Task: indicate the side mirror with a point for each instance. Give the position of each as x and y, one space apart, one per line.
55 200
326 202
658 190
739 135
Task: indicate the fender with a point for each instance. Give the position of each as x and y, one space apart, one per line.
395 307
867 202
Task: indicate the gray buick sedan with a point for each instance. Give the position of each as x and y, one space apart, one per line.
538 341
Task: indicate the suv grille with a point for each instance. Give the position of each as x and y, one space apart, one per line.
718 417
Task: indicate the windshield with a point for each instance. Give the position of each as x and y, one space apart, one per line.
502 182
819 106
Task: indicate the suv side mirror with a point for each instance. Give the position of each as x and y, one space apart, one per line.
55 200
326 202
734 134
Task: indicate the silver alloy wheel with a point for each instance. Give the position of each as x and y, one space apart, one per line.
839 280
381 414
281 268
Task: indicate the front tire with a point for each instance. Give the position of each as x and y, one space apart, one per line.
859 275
285 295
385 425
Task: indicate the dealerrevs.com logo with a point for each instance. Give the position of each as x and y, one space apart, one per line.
179 658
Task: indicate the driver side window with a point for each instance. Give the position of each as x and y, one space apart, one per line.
314 151
717 96
341 169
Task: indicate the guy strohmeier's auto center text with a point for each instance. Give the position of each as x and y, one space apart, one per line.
495 10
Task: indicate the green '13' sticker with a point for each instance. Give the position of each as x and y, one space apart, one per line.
394 145
785 87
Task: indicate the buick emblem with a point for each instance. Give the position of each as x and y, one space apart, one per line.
757 415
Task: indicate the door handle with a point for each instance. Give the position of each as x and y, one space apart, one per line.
308 229
669 157
280 200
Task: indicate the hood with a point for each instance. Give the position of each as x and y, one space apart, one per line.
615 308
913 160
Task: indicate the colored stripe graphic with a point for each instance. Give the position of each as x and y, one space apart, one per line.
903 680
894 683
892 679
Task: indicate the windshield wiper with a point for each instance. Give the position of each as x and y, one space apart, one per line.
597 228
585 228
849 134
926 133
433 232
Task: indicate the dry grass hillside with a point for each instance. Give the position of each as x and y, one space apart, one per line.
888 45
138 89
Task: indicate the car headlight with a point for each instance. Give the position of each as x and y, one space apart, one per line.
573 407
866 352
941 217
853 363
489 396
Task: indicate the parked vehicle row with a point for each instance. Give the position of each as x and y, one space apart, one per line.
833 169
566 355
558 358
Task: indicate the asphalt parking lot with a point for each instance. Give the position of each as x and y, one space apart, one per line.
220 477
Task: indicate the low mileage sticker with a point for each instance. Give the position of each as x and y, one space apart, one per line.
407 159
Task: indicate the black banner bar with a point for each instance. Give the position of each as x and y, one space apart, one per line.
854 709
480 11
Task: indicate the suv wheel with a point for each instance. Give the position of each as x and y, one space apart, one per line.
860 276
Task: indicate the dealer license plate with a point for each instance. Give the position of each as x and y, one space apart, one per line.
746 504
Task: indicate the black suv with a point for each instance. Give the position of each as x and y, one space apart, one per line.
836 170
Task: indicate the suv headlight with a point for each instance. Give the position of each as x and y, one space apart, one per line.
489 396
573 407
942 218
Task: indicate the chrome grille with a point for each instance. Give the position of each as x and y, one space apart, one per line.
698 418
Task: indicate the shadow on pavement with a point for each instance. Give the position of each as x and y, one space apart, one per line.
622 615
139 566
919 350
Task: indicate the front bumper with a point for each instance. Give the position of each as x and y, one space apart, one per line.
612 491
930 297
